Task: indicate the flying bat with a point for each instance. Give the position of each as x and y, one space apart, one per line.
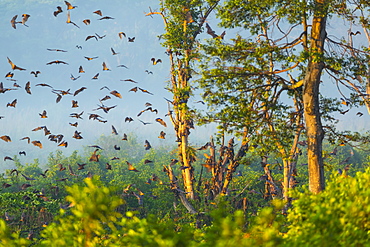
63 144
116 93
5 138
81 166
35 73
69 20
13 21
13 104
160 120
86 21
131 167
28 87
14 67
114 131
43 114
79 91
69 6
145 123
58 50
121 35
100 37
27 178
94 157
9 74
122 66
77 135
90 37
162 135
105 98
74 104
113 52
108 166
155 61
129 80
128 119
81 70
26 138
76 115
43 85
37 144
98 12
58 11
95 77
74 78
105 68
74 124
56 62
90 58
145 91
213 34
25 19
147 145
106 18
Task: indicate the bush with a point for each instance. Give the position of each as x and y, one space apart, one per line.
91 219
338 216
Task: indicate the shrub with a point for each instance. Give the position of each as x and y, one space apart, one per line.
338 216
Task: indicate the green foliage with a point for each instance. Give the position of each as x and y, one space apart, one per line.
9 238
338 216
182 18
227 229
26 211
242 94
92 216
266 228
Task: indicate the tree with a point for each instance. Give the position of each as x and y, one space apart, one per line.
249 81
315 66
183 22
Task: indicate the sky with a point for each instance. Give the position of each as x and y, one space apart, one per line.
27 47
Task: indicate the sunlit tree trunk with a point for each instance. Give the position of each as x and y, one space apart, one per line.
183 22
183 129
312 116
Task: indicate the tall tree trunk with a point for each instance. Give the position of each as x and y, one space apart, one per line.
187 174
182 111
177 16
311 91
180 118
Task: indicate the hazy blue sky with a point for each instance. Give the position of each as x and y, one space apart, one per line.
27 47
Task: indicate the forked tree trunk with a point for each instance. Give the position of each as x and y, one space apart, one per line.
289 181
175 188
